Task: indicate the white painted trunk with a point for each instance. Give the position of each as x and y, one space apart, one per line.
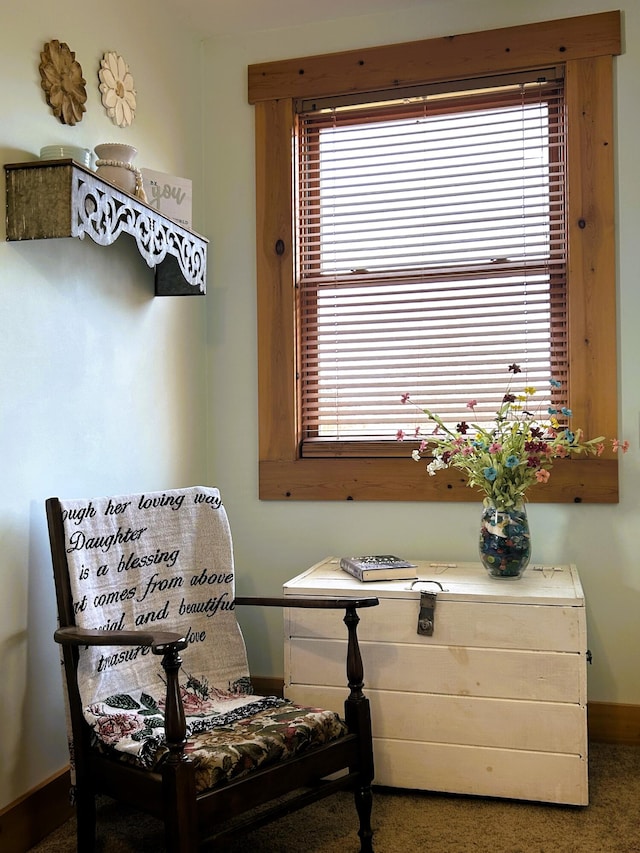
493 703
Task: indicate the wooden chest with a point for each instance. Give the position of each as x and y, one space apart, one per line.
492 703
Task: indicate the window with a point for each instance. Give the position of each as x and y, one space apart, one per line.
431 254
306 451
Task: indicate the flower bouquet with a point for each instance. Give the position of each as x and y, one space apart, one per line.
502 461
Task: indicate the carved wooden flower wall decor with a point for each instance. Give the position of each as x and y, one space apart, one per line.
62 81
116 85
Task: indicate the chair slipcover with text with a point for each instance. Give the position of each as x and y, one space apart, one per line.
165 560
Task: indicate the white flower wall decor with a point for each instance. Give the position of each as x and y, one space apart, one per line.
116 86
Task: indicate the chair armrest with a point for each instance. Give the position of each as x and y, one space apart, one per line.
323 603
355 669
161 642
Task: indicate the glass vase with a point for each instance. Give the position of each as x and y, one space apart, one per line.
505 544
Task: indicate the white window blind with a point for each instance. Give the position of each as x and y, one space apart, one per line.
431 254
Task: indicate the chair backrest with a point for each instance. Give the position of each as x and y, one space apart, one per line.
160 560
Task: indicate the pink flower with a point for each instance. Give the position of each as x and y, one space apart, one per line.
542 476
620 445
404 398
496 447
400 435
600 449
193 704
472 404
114 727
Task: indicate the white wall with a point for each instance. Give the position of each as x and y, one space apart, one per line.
102 385
276 540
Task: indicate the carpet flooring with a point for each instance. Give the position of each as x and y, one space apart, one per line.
421 822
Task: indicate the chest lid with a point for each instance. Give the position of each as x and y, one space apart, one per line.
550 584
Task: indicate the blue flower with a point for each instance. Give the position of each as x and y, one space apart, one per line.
566 412
552 411
490 474
569 436
512 461
554 383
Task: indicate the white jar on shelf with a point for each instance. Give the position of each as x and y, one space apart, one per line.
115 164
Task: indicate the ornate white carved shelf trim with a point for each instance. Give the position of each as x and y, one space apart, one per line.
60 198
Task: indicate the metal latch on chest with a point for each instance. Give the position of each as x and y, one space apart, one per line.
427 614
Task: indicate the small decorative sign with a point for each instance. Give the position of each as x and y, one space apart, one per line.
169 195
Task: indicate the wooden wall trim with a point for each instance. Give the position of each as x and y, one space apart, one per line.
614 723
457 56
268 686
28 820
40 812
591 245
275 247
577 480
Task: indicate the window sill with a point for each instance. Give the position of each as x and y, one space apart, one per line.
592 480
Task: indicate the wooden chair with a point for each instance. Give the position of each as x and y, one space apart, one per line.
171 788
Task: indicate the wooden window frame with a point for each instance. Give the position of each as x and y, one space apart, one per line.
585 46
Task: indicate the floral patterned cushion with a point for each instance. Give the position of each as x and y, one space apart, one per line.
243 741
132 723
234 750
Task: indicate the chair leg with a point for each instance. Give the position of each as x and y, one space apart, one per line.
181 821
364 803
86 821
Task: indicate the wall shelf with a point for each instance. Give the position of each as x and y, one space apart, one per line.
60 198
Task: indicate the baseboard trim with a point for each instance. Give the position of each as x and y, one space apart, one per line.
268 686
28 820
38 813
614 723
